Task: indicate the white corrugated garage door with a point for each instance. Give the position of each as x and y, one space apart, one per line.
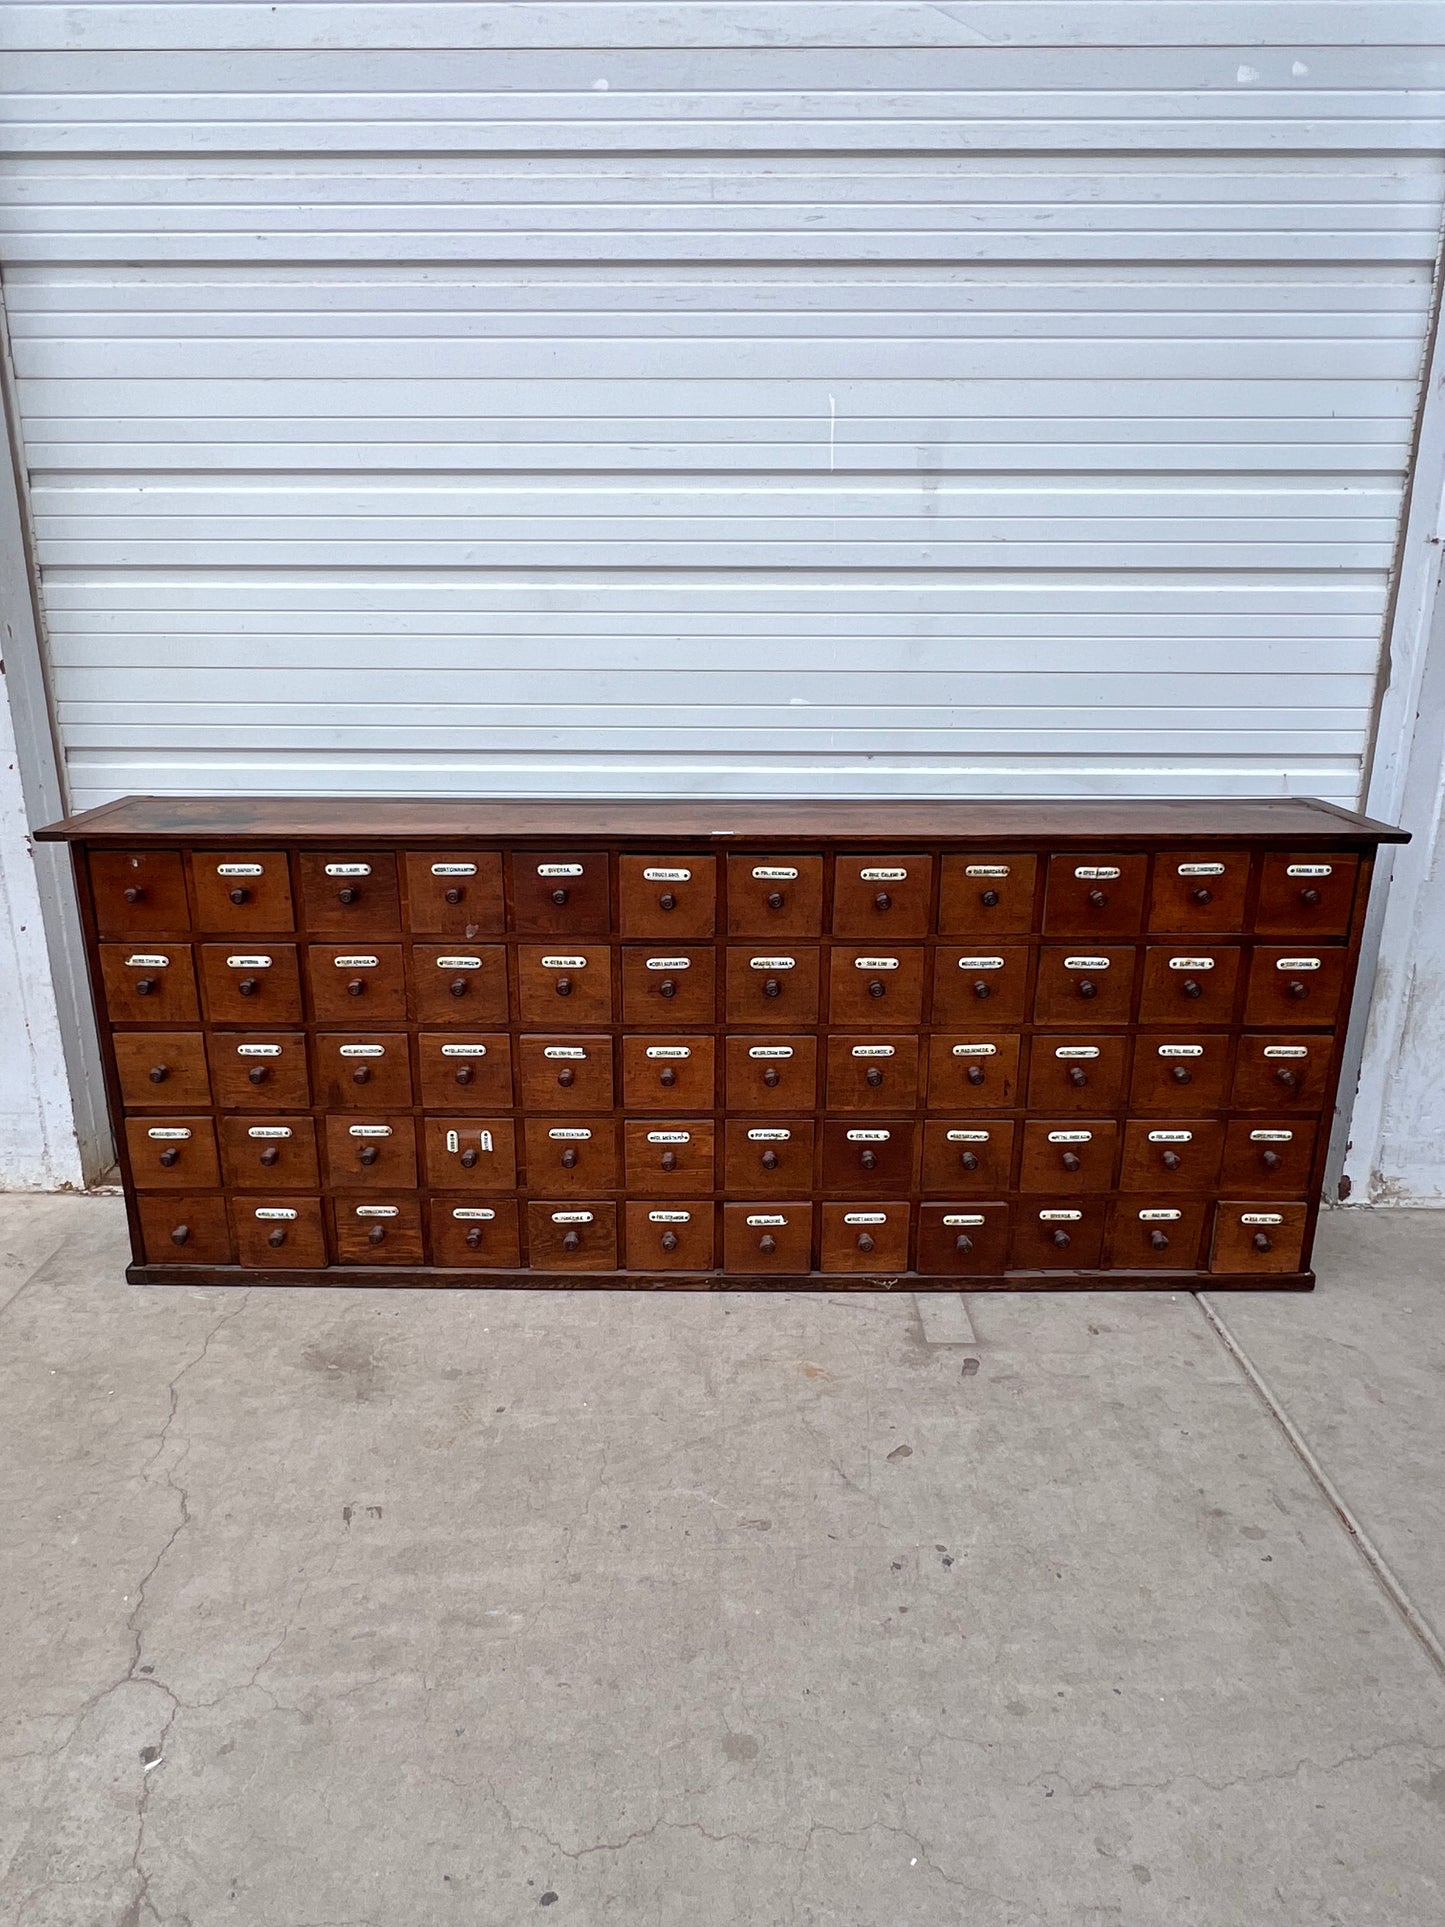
715 397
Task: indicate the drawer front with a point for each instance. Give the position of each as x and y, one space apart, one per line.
1063 1235
459 983
149 984
762 1237
172 1153
963 1240
1295 986
876 986
1151 1232
771 1073
161 1067
1306 895
251 986
972 1157
564 1072
465 1070
1068 1157
1084 986
673 897
1254 1236
1268 1157
270 1154
375 1153
871 1073
1081 1076
667 1073
967 1072
378 1231
1180 1071
863 1236
242 892
360 1070
1281 1071
349 894
470 1153
571 984
567 1235
987 896
572 1156
672 986
280 1233
357 986
1177 1155
973 986
137 893
259 1070
454 893
180 1229
1188 987
669 1235
561 892
882 899
1098 894
669 1154
772 987
775 896
466 1233
768 1157
869 1158
1199 890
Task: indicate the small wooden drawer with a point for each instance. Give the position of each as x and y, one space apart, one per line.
470 1153
375 1153
674 897
1295 986
868 1158
1189 987
968 1155
280 1233
357 985
771 1073
565 1072
567 1235
459 984
454 893
881 987
972 1073
1078 1075
1094 986
139 893
270 1154
1280 1071
1095 894
242 892
1201 890
350 894
1176 1071
669 1154
1064 1235
251 986
363 1070
963 1240
768 1156
259 1070
1253 1235
172 1153
1070 1157
149 983
765 1237
1307 895
573 1155
775 896
987 895
883 899
378 1231
667 1073
184 1230
561 893
871 1073
479 1235
571 984
864 1237
1177 1156
772 987
465 1070
669 1235
673 986
1150 1232
973 986
1266 1158
161 1067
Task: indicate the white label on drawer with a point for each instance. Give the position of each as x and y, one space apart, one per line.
348 869
868 1137
865 1217
669 963
470 1050
484 1140
968 1137
1086 963
570 1133
1071 1137
274 1211
1271 1137
368 1130
1286 1050
258 1050
1171 1137
561 1050
378 1211
875 963
1309 870
766 1217
874 1050
240 869
769 1136
168 1131
985 870
1297 963
1200 869
963 1217
1261 1217
883 876
980 963
248 963
559 870
669 1217
1076 1050
564 963
770 1050
483 1213
774 873
668 1050
1097 872
1160 1217
459 963
669 1137
975 1050
1191 963
355 963
1064 1217
772 963
143 960
571 1217
1181 1050
268 1130
362 1050
454 869
668 876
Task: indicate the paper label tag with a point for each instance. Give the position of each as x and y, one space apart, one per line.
1261 1217
1271 1137
865 1217
454 869
883 876
1066 1217
459 963
668 1050
1181 1050
274 1211
669 1137
874 1050
362 1050
975 1050
770 1050
1191 963
1298 963
1199 869
560 870
1286 1050
268 1130
567 1133
1076 1050
484 1141
668 876
772 963
1097 872
258 1050
868 1137
571 1217
564 963
482 1212
1071 1137
240 869
766 1217
1309 870
669 963
368 1130
985 870
669 1217
980 963
875 963
143 960
1086 963
573 1051
355 963
770 1136
963 1217
378 1211
469 1050
1171 1137
1160 1217
968 1137
168 1131
774 873
348 869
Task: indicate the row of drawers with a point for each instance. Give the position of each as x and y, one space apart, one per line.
659 1071
682 894
1231 1237
976 1156
838 984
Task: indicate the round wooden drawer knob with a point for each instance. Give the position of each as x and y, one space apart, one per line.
348 894
569 1158
865 1242
775 899
356 987
1070 1160
667 988
1202 895
989 899
882 901
982 989
1309 896
464 1073
669 1241
1098 899
1270 1160
771 1077
181 1234
453 894
271 1155
1261 1242
146 986
969 1160
975 1073
362 1074
1087 987
963 1244
474 1237
1158 1241
1078 1076
469 1157
159 1073
134 893
868 1160
559 897
767 1243
1284 1075
458 987
1182 1074
1061 1239
240 894
248 986
873 1076
772 987
770 1160
1192 987
572 1242
669 1160
277 1237
877 987
667 1076
1298 987
667 901
567 1077
376 1235
1170 1160
170 1156
368 1154
258 1073
563 986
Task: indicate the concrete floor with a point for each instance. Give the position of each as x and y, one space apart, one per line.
385 1610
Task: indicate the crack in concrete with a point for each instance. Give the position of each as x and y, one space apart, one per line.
1351 1757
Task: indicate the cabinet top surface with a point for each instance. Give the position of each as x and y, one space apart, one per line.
361 819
